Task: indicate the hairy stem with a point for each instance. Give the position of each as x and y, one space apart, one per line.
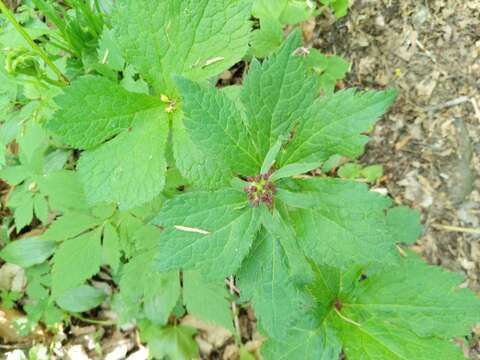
32 43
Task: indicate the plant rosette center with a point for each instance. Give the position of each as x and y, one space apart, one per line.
260 190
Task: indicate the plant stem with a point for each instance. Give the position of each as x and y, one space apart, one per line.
94 321
32 43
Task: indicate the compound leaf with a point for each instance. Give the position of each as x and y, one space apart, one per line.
28 252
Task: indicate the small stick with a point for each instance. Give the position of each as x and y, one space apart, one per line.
450 103
231 285
475 107
457 229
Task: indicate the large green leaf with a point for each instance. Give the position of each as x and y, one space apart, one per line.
130 169
215 125
93 109
210 231
195 38
80 299
28 252
334 125
276 94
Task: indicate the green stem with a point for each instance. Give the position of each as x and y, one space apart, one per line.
94 321
32 43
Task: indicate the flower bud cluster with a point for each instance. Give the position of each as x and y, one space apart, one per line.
260 190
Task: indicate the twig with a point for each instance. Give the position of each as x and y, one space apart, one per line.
457 229
8 14
231 285
450 103
475 107
94 321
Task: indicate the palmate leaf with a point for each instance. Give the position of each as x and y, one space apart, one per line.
407 312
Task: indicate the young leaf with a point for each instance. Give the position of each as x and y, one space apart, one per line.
80 299
75 261
276 94
28 252
130 169
210 231
194 38
268 38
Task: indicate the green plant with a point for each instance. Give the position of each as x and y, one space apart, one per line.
173 185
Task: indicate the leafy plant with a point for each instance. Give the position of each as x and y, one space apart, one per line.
171 184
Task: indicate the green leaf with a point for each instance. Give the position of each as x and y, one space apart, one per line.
111 248
264 279
215 125
304 342
75 261
206 300
340 7
160 300
130 169
334 124
194 38
268 38
109 52
329 69
404 224
14 175
70 225
80 299
64 190
174 342
268 8
297 11
372 172
340 217
93 109
293 170
276 94
28 252
350 171
40 206
23 213
407 312
209 231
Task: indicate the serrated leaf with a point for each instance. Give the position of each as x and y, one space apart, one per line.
160 300
333 125
181 37
341 217
264 279
130 169
75 261
276 94
215 125
174 342
209 231
28 252
80 299
64 190
329 69
207 300
70 225
407 312
108 51
93 109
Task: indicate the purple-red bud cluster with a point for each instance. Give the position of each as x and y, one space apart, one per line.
260 190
